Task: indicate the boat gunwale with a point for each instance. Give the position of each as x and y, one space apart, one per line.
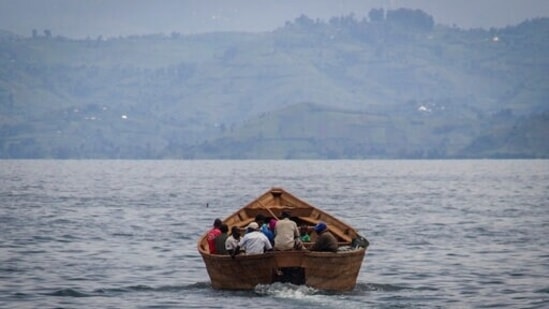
339 233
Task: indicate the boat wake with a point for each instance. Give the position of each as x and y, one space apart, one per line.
285 290
289 290
299 295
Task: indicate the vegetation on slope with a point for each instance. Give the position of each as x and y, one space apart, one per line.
390 85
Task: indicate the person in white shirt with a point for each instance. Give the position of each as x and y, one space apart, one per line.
254 242
232 241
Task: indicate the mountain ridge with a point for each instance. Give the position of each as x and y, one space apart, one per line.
398 87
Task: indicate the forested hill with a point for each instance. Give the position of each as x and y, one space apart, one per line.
391 84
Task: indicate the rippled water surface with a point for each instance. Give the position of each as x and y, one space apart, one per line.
122 234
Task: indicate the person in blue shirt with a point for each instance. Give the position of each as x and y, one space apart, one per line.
264 227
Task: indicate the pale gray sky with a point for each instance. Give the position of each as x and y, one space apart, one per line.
82 18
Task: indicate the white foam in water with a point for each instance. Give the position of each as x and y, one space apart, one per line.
285 290
302 294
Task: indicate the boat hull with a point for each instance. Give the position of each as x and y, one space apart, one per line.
321 270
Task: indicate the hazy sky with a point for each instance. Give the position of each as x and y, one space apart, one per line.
82 18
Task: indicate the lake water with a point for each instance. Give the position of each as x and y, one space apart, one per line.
122 234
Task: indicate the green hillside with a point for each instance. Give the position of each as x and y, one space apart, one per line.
388 86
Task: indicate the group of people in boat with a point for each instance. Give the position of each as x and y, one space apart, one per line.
262 236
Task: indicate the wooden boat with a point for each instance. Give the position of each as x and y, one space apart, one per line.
328 271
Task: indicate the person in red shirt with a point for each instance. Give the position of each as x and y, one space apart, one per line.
213 233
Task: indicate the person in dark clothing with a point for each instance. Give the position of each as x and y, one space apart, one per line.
325 241
220 240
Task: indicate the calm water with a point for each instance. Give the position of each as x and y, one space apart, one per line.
122 234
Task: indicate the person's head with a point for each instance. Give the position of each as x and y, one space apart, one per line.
253 226
320 227
224 228
272 224
235 231
217 223
260 219
285 215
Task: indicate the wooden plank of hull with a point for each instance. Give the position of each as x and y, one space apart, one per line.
333 271
241 273
289 258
